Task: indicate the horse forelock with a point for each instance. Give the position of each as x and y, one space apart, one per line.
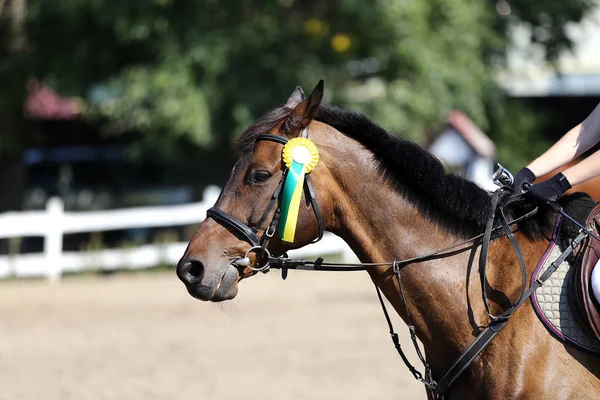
245 142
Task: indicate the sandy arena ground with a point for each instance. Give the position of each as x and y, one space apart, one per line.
314 336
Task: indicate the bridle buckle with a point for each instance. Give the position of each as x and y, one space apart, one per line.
396 265
271 231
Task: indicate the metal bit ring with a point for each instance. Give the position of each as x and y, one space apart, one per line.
264 252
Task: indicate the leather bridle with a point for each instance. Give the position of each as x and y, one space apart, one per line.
251 233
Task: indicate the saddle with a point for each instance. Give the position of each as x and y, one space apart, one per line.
584 301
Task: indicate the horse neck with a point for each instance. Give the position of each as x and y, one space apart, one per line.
380 224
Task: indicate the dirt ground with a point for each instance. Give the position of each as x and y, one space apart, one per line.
141 336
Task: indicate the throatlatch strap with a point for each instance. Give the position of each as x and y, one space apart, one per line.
315 206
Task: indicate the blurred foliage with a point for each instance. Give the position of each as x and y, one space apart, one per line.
206 69
548 20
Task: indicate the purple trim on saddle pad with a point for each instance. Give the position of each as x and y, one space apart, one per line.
554 330
535 274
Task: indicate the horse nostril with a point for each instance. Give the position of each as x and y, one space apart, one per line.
196 269
191 272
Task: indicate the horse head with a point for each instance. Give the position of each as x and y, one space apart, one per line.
245 225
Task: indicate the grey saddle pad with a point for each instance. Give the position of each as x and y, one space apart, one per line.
552 302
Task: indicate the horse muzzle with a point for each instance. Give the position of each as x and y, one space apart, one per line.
208 285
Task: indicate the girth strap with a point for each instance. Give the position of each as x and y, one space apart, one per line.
236 224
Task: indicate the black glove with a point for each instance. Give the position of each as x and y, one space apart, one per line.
550 190
524 176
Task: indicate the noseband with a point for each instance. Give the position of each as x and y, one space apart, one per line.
251 233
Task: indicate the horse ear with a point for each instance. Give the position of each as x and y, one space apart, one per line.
295 98
303 113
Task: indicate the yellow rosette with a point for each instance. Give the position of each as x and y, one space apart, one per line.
300 156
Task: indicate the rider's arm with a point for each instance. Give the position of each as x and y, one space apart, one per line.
587 169
570 146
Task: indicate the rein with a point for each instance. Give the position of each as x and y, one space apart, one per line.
497 322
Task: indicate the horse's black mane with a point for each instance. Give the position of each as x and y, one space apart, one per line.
455 203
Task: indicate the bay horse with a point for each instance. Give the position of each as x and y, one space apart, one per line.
389 200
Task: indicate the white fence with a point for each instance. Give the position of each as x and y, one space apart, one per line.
54 222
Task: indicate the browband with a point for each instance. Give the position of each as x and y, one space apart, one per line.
274 138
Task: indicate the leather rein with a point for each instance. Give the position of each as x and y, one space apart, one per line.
497 322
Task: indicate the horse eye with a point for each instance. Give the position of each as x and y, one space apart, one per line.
261 176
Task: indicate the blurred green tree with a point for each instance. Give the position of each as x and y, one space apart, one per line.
203 70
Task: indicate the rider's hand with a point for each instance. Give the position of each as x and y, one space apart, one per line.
550 190
524 176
